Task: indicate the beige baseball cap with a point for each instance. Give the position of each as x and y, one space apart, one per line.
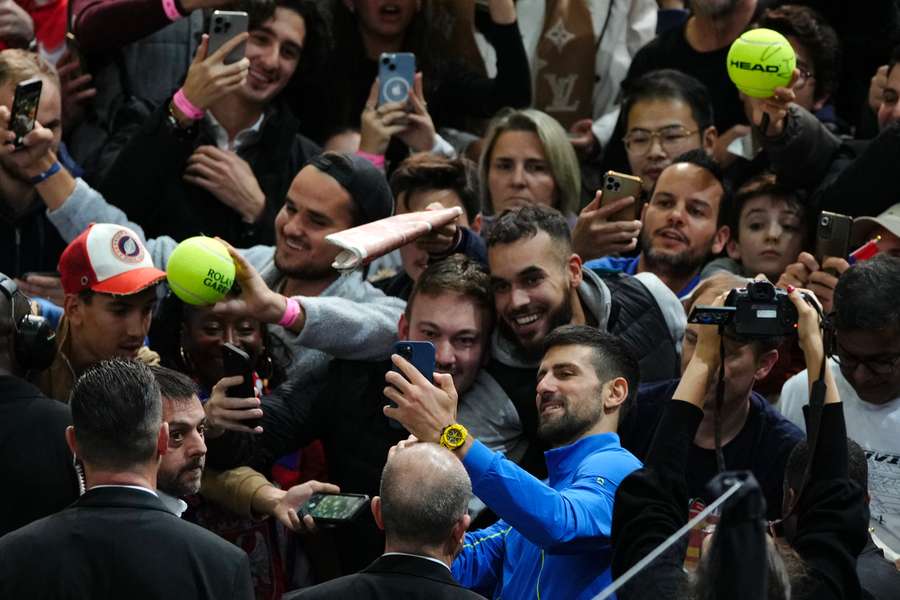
864 227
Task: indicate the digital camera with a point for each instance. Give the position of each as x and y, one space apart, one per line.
759 310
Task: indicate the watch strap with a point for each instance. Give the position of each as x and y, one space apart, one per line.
53 170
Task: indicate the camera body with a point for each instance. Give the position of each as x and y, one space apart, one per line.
759 310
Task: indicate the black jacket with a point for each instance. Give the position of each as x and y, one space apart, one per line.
147 183
119 542
28 242
343 409
35 461
390 577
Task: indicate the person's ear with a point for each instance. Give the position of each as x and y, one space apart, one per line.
376 512
73 308
765 363
403 327
733 248
458 533
709 138
162 439
818 104
615 395
721 238
574 269
71 441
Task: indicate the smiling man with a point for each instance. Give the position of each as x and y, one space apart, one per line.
683 224
228 166
552 540
539 284
110 285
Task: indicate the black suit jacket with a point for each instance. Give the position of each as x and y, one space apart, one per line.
118 542
391 577
35 463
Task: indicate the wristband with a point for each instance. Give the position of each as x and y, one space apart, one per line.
291 312
53 170
172 12
377 160
186 106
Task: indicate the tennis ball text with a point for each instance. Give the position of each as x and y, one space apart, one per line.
745 66
217 281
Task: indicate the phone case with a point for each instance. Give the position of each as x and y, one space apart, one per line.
223 26
237 362
396 73
420 354
833 235
25 108
619 185
334 508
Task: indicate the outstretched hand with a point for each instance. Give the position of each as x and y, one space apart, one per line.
256 299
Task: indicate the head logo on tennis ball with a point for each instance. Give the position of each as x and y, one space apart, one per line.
200 270
760 61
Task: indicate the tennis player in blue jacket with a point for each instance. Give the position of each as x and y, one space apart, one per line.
552 539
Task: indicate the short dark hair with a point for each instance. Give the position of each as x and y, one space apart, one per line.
611 356
765 184
669 84
857 469
866 295
699 158
525 222
174 385
817 37
426 172
117 413
456 273
316 45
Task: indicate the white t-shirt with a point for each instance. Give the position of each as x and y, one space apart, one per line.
875 427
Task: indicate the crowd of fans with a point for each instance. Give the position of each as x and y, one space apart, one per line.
574 420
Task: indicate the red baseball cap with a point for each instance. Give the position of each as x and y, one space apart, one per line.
107 258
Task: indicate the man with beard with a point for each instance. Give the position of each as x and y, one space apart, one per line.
754 436
552 539
684 224
539 284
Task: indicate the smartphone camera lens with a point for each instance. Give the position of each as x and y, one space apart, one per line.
406 351
392 67
825 221
385 60
217 29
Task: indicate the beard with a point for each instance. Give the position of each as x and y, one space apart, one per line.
177 484
680 264
306 270
713 8
534 349
567 427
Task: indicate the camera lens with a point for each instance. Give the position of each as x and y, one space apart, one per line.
825 221
405 351
217 29
385 60
392 67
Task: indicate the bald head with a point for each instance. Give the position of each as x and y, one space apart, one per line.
424 492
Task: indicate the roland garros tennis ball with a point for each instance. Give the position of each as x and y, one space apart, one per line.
760 61
200 270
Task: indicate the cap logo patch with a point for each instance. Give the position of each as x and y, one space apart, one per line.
127 248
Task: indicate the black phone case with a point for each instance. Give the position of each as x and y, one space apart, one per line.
318 496
237 362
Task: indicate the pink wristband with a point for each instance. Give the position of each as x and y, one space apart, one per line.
291 312
171 10
377 160
185 106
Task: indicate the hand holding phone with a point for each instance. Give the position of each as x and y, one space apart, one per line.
209 78
421 355
832 237
23 114
333 509
396 76
237 362
225 25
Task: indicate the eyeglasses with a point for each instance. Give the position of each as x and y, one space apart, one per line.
639 141
877 365
805 76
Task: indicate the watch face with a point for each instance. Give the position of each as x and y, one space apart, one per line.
454 436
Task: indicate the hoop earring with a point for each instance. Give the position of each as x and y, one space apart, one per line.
269 368
185 360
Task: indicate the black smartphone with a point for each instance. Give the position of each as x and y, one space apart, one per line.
237 362
396 75
223 26
422 356
334 509
24 108
833 236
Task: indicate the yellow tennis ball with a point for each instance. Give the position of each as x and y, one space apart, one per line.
760 61
200 270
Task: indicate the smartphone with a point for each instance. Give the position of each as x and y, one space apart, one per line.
237 362
619 185
334 508
422 356
832 236
396 74
223 26
24 108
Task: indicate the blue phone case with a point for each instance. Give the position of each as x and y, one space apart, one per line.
420 354
396 73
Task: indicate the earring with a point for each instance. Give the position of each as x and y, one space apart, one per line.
185 360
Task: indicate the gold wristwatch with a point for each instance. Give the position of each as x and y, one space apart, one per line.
453 436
